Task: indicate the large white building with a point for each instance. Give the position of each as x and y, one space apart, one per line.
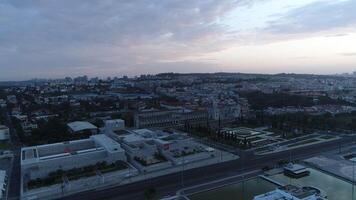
4 133
146 144
3 180
291 192
114 125
224 111
39 161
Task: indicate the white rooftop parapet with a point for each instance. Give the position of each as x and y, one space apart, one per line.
114 125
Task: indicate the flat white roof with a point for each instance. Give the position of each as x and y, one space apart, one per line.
289 192
114 120
273 195
3 127
282 195
2 182
132 138
81 125
2 175
143 131
98 143
294 167
107 143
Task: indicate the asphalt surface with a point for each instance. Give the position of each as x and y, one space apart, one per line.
170 184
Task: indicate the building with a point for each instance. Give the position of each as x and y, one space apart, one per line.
2 103
82 127
249 136
169 118
295 170
114 125
224 111
292 192
39 161
140 149
156 146
4 133
12 99
3 180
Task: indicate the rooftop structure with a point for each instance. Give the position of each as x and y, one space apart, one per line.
114 125
3 179
38 161
168 118
248 135
243 132
295 170
4 133
224 111
151 146
292 192
82 126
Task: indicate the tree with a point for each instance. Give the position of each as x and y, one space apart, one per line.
150 193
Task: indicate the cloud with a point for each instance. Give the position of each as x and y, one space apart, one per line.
347 54
316 17
53 38
302 57
55 35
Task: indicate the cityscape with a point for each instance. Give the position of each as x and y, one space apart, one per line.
178 100
157 135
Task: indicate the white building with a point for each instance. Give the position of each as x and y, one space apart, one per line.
4 133
3 180
114 125
2 103
39 161
224 111
154 146
138 147
291 192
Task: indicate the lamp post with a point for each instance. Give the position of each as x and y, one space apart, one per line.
243 178
353 178
182 174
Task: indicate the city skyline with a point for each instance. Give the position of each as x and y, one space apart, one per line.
53 39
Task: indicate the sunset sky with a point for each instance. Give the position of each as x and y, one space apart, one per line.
53 39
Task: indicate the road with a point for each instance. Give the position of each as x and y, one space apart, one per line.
169 184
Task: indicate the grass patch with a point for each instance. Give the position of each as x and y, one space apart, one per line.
327 137
113 167
38 183
80 174
4 146
55 177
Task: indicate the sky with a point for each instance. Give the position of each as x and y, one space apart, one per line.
58 38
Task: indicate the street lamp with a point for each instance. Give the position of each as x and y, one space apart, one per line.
353 178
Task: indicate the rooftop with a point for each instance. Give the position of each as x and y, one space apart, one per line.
2 182
107 143
130 138
81 125
57 150
292 192
294 167
242 131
